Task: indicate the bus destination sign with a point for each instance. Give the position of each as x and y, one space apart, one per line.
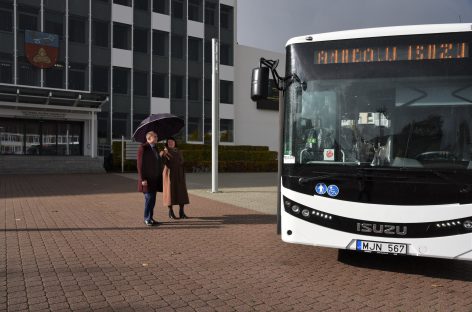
412 52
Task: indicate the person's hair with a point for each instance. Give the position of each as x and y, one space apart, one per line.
171 138
150 133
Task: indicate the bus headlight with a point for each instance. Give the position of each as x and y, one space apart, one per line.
306 213
295 209
287 203
467 224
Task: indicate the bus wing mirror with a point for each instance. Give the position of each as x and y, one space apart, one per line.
260 83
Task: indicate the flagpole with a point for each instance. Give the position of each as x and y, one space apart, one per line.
215 123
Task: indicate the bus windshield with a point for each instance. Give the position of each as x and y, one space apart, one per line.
412 122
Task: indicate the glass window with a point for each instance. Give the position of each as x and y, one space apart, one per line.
210 13
226 54
226 91
6 68
27 21
226 130
12 135
194 128
100 33
177 87
413 122
121 124
226 16
208 52
48 138
140 39
54 76
53 23
161 6
6 17
178 9
120 80
32 138
194 49
77 76
27 73
195 10
121 36
141 4
120 128
69 139
103 129
207 89
140 83
160 85
160 43
177 46
194 89
77 30
123 2
100 78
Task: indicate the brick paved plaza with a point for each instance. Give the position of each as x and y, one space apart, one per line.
78 242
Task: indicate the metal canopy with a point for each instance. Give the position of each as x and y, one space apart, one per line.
49 98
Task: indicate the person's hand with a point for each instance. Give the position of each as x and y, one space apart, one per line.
166 154
144 183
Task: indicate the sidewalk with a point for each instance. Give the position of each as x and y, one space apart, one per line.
255 191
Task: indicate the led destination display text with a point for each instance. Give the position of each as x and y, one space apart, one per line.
413 52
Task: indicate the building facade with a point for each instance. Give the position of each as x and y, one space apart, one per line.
117 62
255 123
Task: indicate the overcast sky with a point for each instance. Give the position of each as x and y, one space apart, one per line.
268 24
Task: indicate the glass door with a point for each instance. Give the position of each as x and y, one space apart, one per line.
11 137
48 138
69 139
32 138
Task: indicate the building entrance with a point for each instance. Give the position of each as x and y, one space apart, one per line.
40 137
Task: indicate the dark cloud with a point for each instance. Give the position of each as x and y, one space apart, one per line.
268 24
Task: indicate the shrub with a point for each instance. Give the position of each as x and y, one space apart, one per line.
241 158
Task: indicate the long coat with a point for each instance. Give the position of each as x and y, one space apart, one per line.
173 176
149 168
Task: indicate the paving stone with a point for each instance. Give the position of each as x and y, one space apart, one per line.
81 246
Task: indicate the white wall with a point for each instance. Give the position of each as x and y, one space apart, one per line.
253 126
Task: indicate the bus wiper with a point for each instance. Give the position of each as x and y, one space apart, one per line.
360 172
303 181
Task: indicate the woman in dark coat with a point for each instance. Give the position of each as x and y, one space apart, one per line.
174 186
149 165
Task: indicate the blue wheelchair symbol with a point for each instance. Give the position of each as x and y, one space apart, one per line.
321 189
333 190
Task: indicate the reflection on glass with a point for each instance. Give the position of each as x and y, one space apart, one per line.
194 127
68 139
11 138
48 138
33 137
391 122
32 145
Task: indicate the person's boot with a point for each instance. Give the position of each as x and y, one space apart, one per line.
182 213
171 213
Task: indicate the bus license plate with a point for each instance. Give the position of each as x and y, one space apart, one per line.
381 247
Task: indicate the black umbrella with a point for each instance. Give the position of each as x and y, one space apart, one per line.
165 125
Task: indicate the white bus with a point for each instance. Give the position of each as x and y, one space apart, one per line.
376 151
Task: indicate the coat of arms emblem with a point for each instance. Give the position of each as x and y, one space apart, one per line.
41 48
